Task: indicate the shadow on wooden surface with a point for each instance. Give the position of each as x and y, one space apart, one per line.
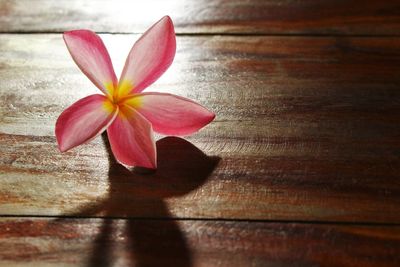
177 174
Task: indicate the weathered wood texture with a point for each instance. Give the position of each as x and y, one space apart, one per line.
306 129
307 135
212 16
98 242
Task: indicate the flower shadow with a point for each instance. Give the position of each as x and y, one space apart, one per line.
141 194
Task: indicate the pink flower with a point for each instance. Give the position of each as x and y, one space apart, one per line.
129 115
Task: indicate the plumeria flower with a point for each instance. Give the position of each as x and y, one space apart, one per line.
129 115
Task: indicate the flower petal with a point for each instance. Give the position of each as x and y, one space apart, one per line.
131 139
171 114
149 57
91 56
84 120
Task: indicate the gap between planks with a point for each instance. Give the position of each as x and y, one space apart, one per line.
131 218
239 34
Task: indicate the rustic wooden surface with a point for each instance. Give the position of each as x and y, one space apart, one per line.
300 168
338 17
120 242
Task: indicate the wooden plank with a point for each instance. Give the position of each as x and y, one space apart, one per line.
304 127
211 16
99 242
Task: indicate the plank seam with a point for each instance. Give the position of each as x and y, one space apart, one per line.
315 222
244 34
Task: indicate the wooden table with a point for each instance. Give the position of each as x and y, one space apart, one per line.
301 166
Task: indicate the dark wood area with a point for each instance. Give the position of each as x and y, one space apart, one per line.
301 166
111 242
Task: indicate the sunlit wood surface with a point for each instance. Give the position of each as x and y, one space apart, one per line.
341 17
301 166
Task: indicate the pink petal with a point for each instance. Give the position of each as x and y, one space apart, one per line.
84 120
171 114
131 139
149 57
91 56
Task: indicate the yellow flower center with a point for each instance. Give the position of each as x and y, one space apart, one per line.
121 96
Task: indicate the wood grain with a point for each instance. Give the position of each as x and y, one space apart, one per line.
211 16
306 129
98 242
300 168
